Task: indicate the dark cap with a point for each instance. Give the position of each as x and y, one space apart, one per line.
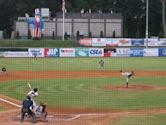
35 89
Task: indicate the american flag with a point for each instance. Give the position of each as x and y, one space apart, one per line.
63 6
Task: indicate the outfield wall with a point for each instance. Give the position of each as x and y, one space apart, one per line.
86 52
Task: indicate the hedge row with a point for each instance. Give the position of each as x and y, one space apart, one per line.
38 43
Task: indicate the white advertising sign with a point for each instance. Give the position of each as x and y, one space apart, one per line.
124 42
123 52
98 42
45 12
150 52
152 42
162 42
38 52
15 54
67 52
96 52
112 42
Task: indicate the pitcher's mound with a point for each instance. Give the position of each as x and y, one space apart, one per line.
136 87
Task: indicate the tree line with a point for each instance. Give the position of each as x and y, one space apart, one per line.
133 12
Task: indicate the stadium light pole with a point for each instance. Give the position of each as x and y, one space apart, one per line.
63 23
63 26
147 22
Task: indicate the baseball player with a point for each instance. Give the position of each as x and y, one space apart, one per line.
101 64
127 75
32 94
3 70
35 55
27 108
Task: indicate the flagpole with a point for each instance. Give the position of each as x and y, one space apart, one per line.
63 25
63 11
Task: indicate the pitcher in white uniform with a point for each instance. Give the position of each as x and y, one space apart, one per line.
127 75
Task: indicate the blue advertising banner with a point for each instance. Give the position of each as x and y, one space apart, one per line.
162 51
136 52
82 52
137 42
51 52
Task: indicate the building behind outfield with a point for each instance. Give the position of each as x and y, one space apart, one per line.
85 23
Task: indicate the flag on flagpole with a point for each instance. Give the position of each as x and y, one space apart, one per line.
63 6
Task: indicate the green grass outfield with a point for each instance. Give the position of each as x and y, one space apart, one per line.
91 92
48 64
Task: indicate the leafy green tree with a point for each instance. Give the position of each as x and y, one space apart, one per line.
65 36
29 34
78 35
114 34
53 35
90 34
163 2
101 34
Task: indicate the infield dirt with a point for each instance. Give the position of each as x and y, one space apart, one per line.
62 116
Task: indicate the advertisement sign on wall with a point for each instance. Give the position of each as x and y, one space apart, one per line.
112 42
123 52
162 42
150 52
136 52
86 42
137 42
67 52
82 52
124 42
152 42
98 42
96 52
51 52
108 52
162 51
38 52
15 54
1 54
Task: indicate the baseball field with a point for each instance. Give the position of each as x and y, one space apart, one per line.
77 92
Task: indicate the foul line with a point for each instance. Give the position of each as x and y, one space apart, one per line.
73 118
9 102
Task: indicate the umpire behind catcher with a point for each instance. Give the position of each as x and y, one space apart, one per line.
27 107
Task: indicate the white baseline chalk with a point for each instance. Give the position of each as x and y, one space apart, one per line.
11 103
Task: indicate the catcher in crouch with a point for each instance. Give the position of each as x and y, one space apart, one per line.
127 75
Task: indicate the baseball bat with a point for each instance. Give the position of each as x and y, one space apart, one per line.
29 86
